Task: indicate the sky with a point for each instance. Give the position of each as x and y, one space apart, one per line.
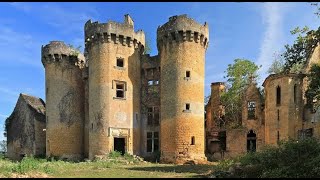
251 30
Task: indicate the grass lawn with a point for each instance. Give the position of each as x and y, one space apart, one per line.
30 167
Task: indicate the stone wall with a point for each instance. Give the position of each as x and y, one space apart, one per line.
25 135
64 101
109 116
181 50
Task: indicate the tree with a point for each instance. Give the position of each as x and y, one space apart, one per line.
239 74
277 65
3 146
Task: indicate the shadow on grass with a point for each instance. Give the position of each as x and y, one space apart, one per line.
201 171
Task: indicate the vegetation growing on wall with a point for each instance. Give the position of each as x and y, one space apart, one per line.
239 74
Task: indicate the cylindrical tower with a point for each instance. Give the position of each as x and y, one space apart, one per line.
182 43
114 51
64 100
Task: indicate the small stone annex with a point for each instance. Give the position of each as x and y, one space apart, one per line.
116 98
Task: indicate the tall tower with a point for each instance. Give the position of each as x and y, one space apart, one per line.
182 43
113 53
64 100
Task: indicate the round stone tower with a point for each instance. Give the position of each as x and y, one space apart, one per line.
113 53
64 100
182 43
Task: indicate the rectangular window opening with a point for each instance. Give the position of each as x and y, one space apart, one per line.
193 140
187 74
120 90
251 109
187 106
120 62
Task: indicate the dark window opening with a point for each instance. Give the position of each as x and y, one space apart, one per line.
187 74
223 140
92 126
294 93
153 116
251 110
278 95
278 114
192 140
187 106
152 141
278 137
120 62
120 90
251 141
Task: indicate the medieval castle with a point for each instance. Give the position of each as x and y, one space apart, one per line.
116 98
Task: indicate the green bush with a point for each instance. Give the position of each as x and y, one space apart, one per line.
291 159
114 154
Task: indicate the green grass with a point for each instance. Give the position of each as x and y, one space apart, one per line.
115 168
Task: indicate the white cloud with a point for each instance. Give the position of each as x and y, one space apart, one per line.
273 38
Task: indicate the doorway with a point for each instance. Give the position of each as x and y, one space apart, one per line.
251 141
119 145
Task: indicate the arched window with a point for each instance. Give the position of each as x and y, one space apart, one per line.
278 95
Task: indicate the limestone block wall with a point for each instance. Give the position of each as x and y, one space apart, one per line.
182 44
290 110
109 116
64 101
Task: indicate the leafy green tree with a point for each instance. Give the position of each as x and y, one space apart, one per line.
239 74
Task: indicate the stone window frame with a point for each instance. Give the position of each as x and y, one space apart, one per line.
114 86
152 139
187 110
123 62
249 107
186 77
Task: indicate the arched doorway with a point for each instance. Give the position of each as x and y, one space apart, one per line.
251 141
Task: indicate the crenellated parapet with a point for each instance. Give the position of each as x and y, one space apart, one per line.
114 32
58 51
181 29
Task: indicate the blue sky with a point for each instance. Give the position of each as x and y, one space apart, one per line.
254 31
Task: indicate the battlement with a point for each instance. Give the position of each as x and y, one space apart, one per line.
181 28
118 33
57 51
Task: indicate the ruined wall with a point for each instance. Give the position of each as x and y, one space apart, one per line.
217 110
290 109
65 102
252 99
24 133
110 116
182 43
236 142
150 98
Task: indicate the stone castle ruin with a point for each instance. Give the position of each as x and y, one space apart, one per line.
116 98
